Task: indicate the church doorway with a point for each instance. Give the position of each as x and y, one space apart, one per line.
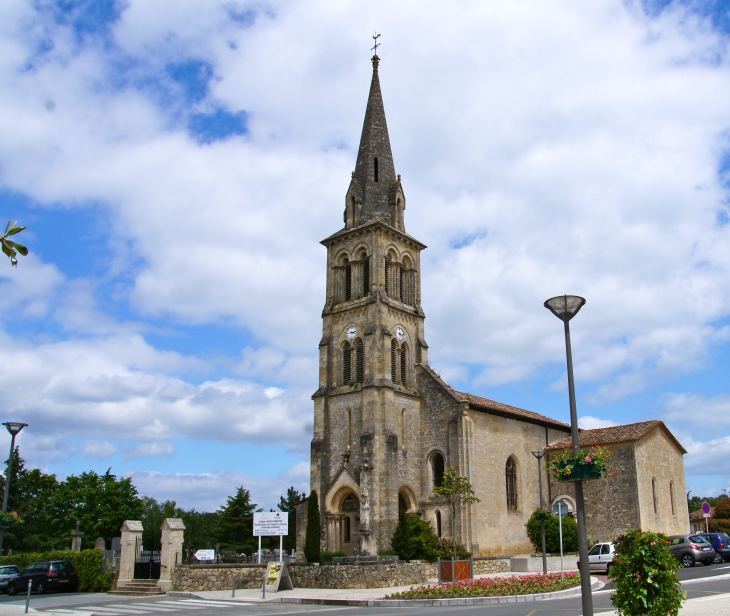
344 524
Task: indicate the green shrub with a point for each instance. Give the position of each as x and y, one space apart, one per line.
326 557
313 533
552 533
414 539
87 564
645 572
446 546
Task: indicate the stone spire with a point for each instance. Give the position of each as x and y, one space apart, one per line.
374 175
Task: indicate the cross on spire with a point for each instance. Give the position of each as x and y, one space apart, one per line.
376 36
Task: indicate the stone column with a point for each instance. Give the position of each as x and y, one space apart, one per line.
131 536
76 538
172 551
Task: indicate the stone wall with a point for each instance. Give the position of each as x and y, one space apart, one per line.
220 577
491 565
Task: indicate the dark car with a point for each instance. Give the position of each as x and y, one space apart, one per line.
721 544
691 549
7 573
45 576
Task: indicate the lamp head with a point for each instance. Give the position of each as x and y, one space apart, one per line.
14 427
565 307
538 454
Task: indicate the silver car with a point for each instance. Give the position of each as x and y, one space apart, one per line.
7 573
600 557
691 549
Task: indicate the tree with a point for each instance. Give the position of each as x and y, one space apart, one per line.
457 492
413 538
552 532
289 504
153 515
720 520
313 533
235 522
100 503
11 248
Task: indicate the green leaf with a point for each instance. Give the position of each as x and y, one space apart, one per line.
7 249
19 247
14 230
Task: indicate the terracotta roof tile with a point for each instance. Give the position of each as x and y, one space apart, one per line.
616 434
509 411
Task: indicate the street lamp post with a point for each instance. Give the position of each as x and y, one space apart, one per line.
565 307
538 455
13 427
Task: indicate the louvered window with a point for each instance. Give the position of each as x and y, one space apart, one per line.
365 276
511 477
393 362
403 365
359 362
346 363
387 277
348 282
400 284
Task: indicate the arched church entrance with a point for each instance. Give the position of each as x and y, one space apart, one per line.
344 522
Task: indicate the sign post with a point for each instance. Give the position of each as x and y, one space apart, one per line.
706 514
560 509
273 524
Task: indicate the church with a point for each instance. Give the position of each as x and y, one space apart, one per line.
386 426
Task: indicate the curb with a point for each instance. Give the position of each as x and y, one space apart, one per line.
560 594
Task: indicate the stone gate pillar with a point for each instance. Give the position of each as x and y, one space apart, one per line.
131 535
172 551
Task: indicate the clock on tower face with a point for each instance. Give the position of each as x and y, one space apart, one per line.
351 332
399 333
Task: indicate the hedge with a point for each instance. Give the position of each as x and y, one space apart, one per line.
87 564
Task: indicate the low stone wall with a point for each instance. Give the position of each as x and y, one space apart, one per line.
491 564
533 564
216 577
382 575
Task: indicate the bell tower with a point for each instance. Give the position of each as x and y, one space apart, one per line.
373 339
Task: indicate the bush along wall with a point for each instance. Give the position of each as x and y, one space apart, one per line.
87 564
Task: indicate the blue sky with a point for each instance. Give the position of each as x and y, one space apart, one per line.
177 163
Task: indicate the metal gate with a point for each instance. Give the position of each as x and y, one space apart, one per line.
146 563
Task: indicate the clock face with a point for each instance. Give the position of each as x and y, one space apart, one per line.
399 333
351 332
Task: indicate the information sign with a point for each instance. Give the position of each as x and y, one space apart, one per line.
205 554
270 524
277 577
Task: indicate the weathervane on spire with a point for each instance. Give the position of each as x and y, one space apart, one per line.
376 36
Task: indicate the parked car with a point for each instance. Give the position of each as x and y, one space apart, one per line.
691 549
49 575
600 557
7 573
720 543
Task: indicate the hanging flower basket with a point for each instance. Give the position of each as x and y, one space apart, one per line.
588 464
10 519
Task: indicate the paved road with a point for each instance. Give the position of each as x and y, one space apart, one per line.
697 582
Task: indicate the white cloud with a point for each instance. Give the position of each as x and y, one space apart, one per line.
151 450
209 491
98 449
587 422
698 413
564 147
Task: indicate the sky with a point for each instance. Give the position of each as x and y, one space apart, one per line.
177 162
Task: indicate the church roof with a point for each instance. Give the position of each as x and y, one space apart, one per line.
496 408
617 434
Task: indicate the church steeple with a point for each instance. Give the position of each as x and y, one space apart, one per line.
375 191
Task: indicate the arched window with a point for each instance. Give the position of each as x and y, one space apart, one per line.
393 361
671 497
403 428
359 362
346 363
438 523
365 275
348 281
375 168
511 478
400 284
437 468
404 365
349 427
653 493
402 505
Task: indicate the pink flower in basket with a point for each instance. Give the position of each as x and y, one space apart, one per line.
588 459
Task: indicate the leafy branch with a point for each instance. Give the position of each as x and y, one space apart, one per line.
11 248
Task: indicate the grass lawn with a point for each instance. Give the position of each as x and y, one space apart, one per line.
492 587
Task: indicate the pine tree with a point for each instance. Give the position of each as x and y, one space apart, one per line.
314 530
289 504
235 522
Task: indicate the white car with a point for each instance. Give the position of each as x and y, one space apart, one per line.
600 557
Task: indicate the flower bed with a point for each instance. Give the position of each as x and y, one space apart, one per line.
492 587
